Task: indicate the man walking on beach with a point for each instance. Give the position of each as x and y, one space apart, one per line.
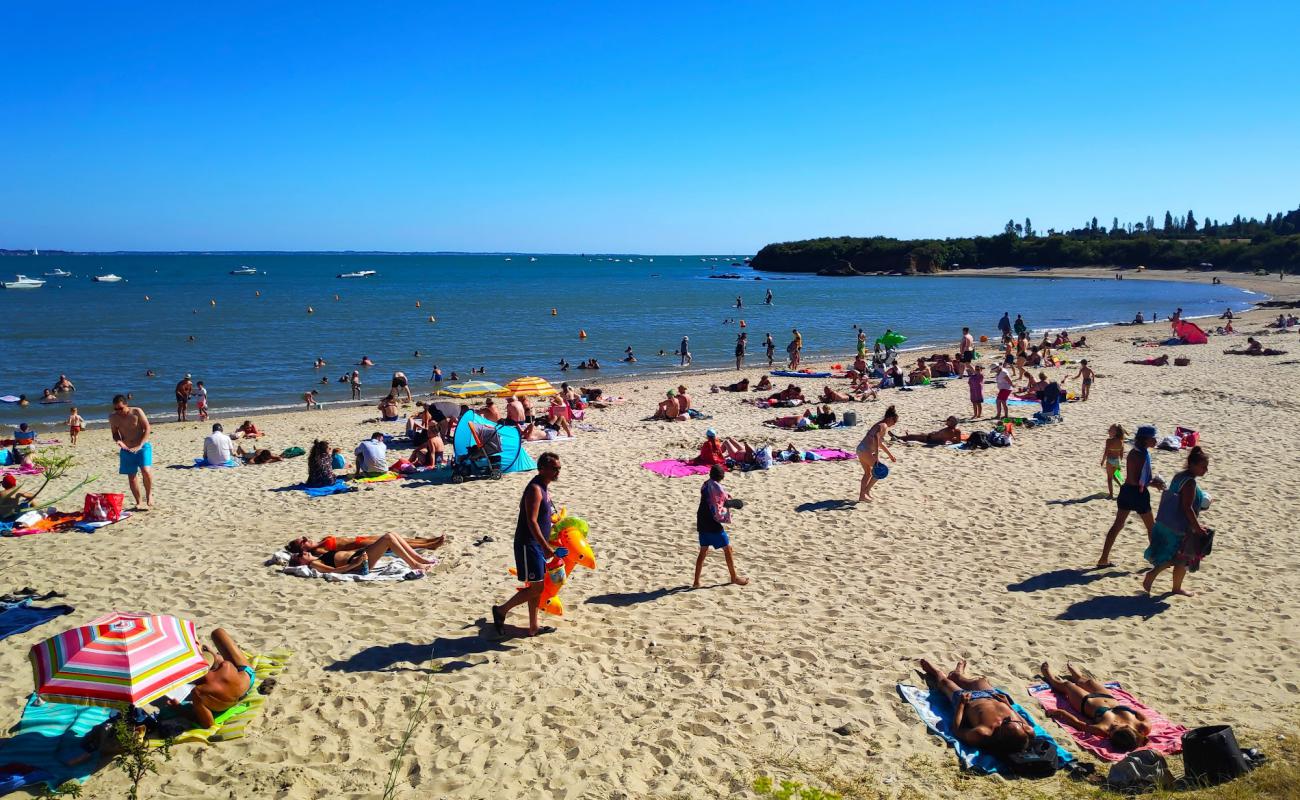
1020 327
770 345
183 391
685 351
532 545
965 352
1004 324
130 429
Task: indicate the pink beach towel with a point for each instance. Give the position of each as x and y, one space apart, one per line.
1166 737
833 454
675 468
25 469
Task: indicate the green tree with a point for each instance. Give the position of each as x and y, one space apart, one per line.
1011 227
1169 222
1190 225
1029 228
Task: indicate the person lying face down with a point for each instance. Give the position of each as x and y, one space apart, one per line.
983 716
1098 712
948 434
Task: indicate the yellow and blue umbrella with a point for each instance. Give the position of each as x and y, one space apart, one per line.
469 389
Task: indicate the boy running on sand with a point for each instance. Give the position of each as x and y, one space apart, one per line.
1085 372
75 424
709 518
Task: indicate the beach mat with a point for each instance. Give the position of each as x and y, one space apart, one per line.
61 522
47 734
936 712
22 616
1166 737
231 723
25 469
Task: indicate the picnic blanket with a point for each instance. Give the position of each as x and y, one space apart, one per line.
22 616
230 724
381 478
387 568
936 712
1166 737
47 734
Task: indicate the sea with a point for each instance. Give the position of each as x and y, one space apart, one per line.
253 339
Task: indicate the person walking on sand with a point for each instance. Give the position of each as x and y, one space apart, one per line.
1135 493
965 352
130 429
1005 385
976 381
869 453
742 342
1112 457
685 351
710 516
75 424
202 392
770 346
183 391
1178 539
532 548
1085 373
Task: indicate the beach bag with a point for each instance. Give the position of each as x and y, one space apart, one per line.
998 439
102 507
1140 771
979 440
1211 756
1037 760
763 457
1187 436
293 452
1182 361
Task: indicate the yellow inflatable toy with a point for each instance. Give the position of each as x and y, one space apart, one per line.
569 533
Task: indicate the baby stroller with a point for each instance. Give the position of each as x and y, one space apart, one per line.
482 457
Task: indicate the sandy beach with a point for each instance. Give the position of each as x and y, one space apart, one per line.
651 690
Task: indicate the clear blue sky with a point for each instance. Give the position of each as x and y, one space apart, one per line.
631 127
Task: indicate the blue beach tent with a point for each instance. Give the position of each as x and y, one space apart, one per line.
476 430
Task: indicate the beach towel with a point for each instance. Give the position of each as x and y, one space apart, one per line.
381 478
675 468
22 616
203 463
1166 737
832 454
387 568
936 712
25 469
230 724
1012 402
338 487
57 521
47 734
785 373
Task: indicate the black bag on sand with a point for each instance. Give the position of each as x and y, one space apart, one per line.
1037 760
1211 756
1140 771
978 440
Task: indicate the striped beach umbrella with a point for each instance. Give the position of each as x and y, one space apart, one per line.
469 389
119 660
528 387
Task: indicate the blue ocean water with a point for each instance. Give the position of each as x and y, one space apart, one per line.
254 342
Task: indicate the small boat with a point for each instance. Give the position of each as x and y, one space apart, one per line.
532 259
109 278
244 271
23 282
361 273
58 273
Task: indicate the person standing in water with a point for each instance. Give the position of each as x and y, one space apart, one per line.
532 545
183 391
685 351
130 429
767 301
742 342
770 346
1135 493
739 302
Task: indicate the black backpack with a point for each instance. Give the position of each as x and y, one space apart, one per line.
978 440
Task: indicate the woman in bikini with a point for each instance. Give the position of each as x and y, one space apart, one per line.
356 556
982 715
869 452
1100 713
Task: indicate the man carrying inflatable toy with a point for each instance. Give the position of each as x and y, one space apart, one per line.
532 545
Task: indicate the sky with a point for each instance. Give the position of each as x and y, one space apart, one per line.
663 127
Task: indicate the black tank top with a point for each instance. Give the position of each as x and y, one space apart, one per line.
522 532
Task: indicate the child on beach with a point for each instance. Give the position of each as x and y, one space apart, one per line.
337 461
75 424
203 402
712 513
1085 372
1112 456
976 381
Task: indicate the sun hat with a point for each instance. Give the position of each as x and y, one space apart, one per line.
711 433
672 392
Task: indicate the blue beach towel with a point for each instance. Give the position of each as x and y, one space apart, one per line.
936 712
203 462
22 616
340 486
47 734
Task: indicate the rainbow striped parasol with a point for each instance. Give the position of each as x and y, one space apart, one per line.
528 387
119 660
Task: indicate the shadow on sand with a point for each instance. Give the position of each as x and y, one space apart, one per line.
1061 578
623 599
422 657
827 505
1115 607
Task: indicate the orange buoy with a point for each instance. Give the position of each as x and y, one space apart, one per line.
983 339
582 334
554 312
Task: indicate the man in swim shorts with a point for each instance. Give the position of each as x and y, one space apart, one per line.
710 516
532 548
401 384
130 429
183 391
982 715
948 434
966 352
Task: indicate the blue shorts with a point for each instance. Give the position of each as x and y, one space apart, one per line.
129 463
530 561
717 540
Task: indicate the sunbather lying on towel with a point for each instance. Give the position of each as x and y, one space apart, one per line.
330 544
1102 714
741 385
948 434
1254 348
229 680
1162 361
360 559
257 455
983 716
791 392
764 384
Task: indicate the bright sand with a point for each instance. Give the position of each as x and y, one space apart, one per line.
651 690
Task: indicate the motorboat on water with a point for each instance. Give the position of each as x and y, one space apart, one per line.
58 273
244 271
109 278
361 273
23 282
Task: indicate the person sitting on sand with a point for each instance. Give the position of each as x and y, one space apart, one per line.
764 384
920 374
1100 713
825 417
942 367
684 403
320 465
256 455
948 434
247 430
490 411
362 559
557 415
790 393
982 715
388 408
668 408
372 456
711 451
217 448
228 681
1138 319
1162 361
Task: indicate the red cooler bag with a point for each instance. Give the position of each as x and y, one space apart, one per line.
103 507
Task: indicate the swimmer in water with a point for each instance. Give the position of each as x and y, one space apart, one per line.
628 356
150 373
366 362
320 362
739 303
